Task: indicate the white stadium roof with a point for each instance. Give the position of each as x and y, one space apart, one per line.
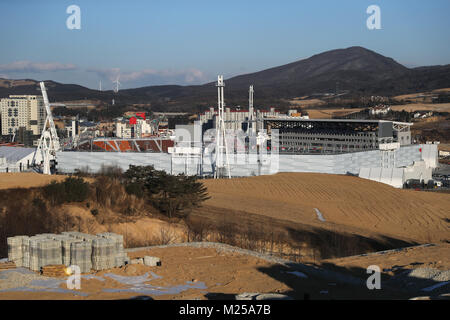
14 154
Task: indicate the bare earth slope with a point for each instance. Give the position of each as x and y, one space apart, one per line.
347 204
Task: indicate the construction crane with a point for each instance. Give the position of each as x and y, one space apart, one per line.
49 142
222 160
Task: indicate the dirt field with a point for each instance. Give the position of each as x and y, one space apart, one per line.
194 273
436 256
347 204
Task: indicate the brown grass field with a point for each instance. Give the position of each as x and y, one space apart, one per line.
329 113
348 204
440 107
421 96
318 113
26 180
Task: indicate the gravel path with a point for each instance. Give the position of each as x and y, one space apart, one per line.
16 278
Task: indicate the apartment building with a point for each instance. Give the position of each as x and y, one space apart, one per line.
22 111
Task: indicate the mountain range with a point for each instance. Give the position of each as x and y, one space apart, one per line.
355 70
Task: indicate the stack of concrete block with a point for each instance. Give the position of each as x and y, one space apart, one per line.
100 252
103 254
33 255
66 242
81 255
16 250
152 261
120 256
44 252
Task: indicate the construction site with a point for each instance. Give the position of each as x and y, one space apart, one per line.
226 143
281 208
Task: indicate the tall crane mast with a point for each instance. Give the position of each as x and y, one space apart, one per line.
49 141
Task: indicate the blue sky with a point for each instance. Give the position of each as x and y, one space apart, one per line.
189 42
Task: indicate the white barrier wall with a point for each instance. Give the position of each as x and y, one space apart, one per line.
245 165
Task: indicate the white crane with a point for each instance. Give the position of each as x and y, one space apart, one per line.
49 141
222 160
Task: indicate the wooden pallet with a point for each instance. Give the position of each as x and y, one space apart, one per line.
58 270
7 265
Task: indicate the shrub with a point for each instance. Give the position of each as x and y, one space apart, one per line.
54 192
135 188
171 195
111 171
70 190
76 189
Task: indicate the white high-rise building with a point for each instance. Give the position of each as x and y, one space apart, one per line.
22 111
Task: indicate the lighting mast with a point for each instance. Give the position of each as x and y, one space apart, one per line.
222 161
251 128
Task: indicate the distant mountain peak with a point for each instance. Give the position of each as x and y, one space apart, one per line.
356 70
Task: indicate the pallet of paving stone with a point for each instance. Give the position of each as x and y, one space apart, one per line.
80 255
119 254
44 251
16 249
7 265
103 254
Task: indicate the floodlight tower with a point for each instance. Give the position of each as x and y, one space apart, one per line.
251 128
49 141
222 161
